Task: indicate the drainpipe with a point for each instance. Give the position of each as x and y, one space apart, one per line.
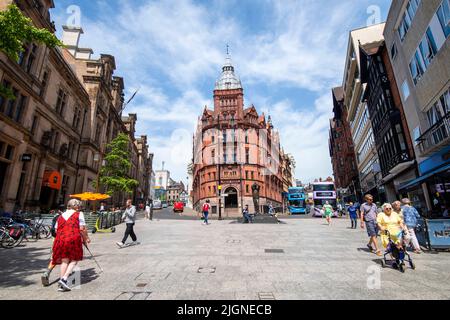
78 152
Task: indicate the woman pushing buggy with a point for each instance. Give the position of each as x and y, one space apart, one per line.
393 238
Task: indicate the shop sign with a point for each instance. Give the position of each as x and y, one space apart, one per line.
26 157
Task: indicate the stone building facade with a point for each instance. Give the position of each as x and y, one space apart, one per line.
417 39
234 149
342 150
357 113
42 130
67 109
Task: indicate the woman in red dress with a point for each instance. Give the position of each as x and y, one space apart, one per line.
71 233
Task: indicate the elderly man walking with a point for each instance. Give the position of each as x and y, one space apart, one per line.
410 216
130 218
369 213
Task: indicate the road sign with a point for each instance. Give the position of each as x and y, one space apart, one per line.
219 187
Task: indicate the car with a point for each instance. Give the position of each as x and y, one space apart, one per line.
178 207
164 204
157 204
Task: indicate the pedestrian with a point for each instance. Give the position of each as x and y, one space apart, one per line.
71 233
353 214
147 211
328 212
102 207
389 220
129 216
151 209
205 209
339 208
410 216
368 211
397 207
271 210
247 217
46 275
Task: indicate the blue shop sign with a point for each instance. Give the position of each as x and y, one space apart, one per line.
439 233
437 160
433 234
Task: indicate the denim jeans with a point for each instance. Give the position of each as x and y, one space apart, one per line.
205 214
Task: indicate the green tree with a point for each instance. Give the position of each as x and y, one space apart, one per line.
16 31
114 175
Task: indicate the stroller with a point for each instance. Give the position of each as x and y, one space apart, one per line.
400 255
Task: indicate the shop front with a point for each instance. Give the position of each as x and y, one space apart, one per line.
430 194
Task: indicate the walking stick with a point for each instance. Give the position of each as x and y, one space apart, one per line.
92 256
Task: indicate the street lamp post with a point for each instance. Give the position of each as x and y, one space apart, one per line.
219 167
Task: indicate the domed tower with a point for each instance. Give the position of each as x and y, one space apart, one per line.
228 94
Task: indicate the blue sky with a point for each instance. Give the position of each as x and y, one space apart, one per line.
288 53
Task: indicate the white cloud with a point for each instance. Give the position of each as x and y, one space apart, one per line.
173 50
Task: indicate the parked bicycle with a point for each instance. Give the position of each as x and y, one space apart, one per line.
10 235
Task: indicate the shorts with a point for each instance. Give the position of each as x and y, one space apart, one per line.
372 228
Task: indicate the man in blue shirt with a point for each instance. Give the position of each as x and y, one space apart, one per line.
353 213
410 216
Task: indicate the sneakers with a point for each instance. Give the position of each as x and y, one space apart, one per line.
63 286
45 279
120 244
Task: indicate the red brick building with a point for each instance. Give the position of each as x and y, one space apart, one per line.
234 149
342 151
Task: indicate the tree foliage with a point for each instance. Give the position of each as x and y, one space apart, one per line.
114 175
16 31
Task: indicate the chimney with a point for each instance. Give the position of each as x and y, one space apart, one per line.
71 38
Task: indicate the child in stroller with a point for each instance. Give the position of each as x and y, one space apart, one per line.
396 248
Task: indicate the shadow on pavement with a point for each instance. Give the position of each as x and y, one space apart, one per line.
364 249
88 275
18 264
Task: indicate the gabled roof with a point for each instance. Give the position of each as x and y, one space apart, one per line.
251 111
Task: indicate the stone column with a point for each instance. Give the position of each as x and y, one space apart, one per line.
39 178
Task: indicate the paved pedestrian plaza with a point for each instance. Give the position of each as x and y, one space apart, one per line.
183 259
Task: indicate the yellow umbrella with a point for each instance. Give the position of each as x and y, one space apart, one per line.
89 196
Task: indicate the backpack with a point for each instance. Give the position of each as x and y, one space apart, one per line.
53 229
205 207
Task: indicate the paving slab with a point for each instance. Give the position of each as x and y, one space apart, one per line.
317 263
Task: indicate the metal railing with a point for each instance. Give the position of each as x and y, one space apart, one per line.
438 135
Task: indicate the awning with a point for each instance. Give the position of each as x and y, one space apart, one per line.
52 179
424 177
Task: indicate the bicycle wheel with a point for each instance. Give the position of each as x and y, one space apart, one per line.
44 232
6 241
30 234
9 242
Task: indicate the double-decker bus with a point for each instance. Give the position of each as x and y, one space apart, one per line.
323 192
296 200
